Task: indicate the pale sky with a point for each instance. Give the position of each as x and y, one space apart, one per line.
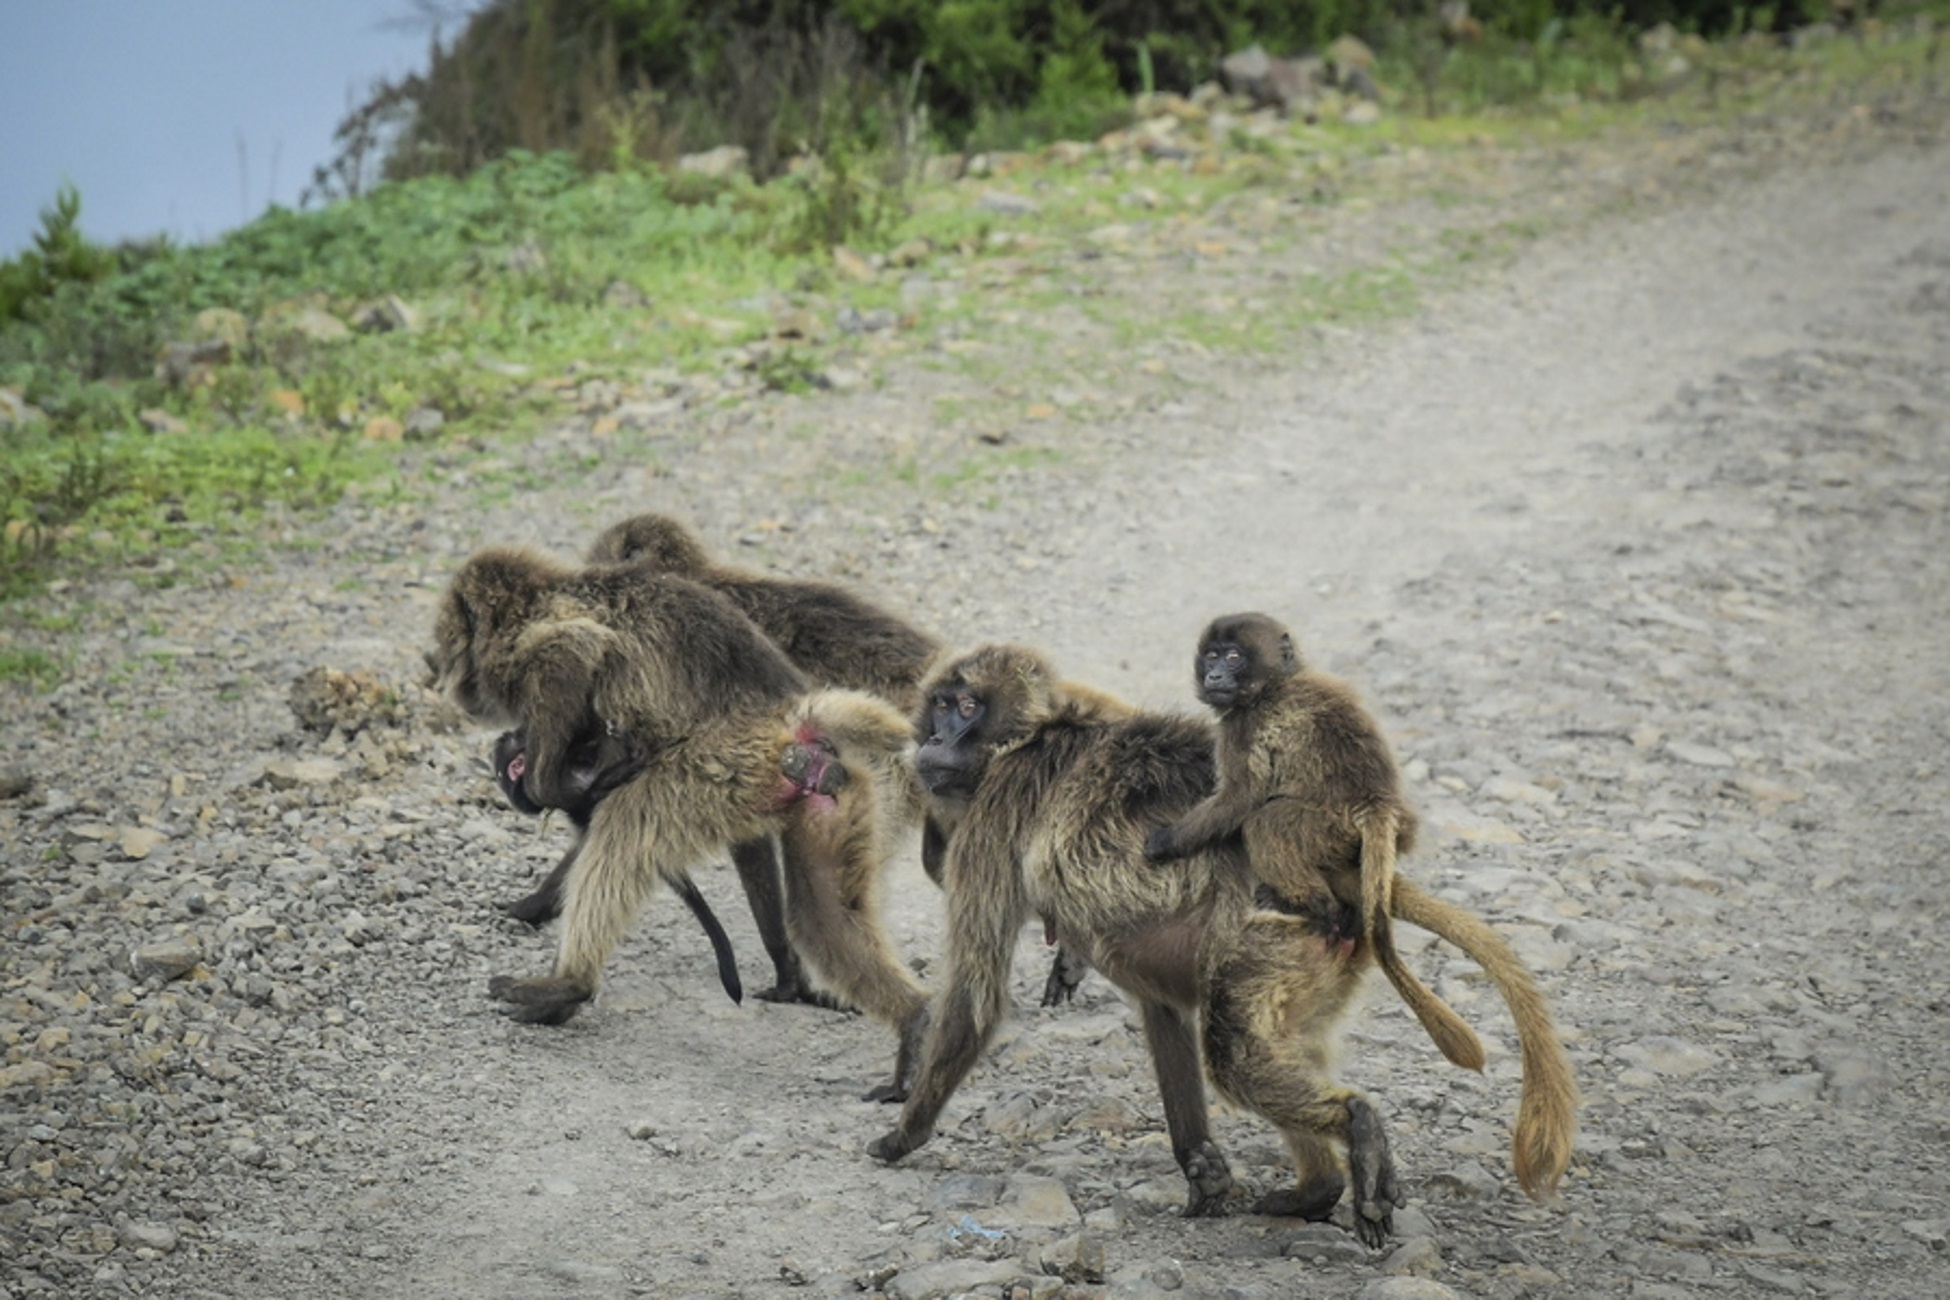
141 104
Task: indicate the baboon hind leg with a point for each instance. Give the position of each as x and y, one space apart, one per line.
833 917
1173 1041
758 872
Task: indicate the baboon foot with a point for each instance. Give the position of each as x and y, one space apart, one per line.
536 909
891 1147
811 768
1314 1201
1066 972
550 1001
1210 1180
907 1061
1371 1169
800 991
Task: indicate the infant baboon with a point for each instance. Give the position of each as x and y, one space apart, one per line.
601 763
1305 775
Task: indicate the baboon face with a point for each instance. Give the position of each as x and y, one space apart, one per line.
510 759
1239 656
971 709
657 542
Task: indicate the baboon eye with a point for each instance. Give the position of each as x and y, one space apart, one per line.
965 706
1234 658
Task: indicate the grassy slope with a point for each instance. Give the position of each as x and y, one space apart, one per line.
519 280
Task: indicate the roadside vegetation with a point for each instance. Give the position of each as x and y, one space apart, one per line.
458 282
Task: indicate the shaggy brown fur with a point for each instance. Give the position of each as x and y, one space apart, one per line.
1306 776
728 733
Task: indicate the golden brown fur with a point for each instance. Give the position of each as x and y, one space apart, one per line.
1306 776
1049 793
1049 800
720 716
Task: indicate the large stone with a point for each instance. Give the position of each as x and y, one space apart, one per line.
166 959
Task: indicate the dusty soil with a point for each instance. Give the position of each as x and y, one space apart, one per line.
1635 542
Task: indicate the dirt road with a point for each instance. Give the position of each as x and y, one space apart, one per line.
1637 547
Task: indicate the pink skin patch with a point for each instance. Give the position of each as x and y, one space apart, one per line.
517 766
805 789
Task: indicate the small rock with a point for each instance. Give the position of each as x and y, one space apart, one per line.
1078 1259
1698 755
1672 1058
15 782
1466 1182
292 773
156 420
1407 1288
1419 1255
169 959
1008 205
1323 1242
424 421
721 163
137 842
139 1234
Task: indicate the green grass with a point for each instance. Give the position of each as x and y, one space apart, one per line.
531 266
36 668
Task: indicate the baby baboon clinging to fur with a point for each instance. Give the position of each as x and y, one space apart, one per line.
1306 777
560 654
601 763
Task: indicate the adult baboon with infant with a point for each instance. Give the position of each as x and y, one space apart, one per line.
734 749
831 635
1048 800
600 762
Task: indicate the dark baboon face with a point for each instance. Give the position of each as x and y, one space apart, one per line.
974 707
510 760
656 542
1239 656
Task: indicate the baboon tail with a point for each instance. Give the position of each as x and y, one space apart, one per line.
720 941
1447 1030
1547 1113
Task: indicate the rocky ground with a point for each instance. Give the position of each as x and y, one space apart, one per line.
1635 542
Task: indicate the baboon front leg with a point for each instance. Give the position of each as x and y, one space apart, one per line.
758 872
954 1043
1175 1057
611 878
544 904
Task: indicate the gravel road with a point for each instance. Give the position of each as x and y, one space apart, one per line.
1636 544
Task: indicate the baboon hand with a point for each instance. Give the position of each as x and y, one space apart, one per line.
1161 845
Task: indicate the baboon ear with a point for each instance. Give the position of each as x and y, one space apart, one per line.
1288 659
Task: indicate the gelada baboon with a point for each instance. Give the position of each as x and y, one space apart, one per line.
602 762
1306 776
836 638
1048 803
722 718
